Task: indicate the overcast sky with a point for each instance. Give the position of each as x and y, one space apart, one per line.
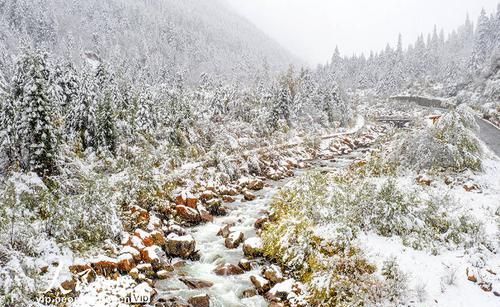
312 28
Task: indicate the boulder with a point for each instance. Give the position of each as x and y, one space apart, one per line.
134 273
245 264
471 275
164 274
178 230
154 223
228 199
87 276
126 262
158 237
228 269
273 273
104 266
261 284
249 292
146 269
125 238
68 286
255 184
137 243
188 214
180 246
260 222
252 247
145 236
139 215
485 286
208 195
178 263
132 251
228 191
247 195
215 207
283 290
153 254
234 239
471 186
144 290
186 199
423 180
194 283
201 300
224 231
205 215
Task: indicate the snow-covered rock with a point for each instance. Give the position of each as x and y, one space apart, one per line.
252 247
261 284
188 214
228 269
234 239
180 246
273 273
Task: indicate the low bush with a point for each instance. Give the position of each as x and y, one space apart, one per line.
450 144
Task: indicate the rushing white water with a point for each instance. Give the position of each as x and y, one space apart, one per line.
227 290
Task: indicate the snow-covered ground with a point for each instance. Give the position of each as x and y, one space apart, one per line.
442 280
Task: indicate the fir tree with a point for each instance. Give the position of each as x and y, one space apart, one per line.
106 126
81 118
145 119
36 124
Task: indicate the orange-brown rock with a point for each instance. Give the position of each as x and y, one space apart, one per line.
132 251
228 199
126 262
145 236
208 195
201 300
186 199
247 195
228 269
188 214
79 267
104 266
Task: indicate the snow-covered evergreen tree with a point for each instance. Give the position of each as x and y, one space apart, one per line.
481 42
81 118
36 122
145 118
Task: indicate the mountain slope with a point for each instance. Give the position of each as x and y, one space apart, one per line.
160 37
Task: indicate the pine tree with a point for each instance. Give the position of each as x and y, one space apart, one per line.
37 128
145 119
81 119
8 132
106 126
481 42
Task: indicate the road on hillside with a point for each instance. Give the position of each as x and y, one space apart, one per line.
490 135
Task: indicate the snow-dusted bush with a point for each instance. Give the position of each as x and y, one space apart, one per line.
17 282
88 217
334 270
30 206
449 144
397 282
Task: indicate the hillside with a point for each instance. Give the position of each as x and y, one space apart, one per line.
146 39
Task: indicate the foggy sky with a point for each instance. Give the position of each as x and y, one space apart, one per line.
311 29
